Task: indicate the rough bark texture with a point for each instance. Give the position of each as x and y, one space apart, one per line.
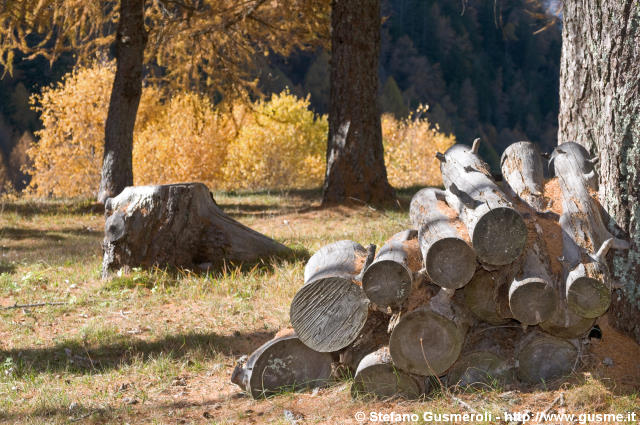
131 39
498 232
355 160
176 225
447 257
600 109
330 310
282 364
387 281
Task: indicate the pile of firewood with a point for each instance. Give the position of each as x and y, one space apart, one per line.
494 283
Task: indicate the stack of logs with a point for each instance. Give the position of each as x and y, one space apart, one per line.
495 283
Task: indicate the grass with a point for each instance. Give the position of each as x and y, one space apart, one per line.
156 346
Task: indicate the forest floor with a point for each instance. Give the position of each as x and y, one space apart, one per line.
159 347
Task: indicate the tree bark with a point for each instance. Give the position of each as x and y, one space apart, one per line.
131 39
600 109
355 159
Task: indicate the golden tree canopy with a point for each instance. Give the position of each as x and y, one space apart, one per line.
196 43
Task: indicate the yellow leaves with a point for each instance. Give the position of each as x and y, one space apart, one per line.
410 147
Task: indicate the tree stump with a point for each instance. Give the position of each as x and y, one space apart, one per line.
177 225
498 232
330 309
282 364
447 257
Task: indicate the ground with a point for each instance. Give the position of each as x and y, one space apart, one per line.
159 347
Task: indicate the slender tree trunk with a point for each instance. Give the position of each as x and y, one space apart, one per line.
600 109
131 38
355 159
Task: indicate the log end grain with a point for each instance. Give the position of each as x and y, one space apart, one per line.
329 313
566 324
500 236
588 297
545 358
479 370
387 283
425 343
377 377
481 298
450 263
532 301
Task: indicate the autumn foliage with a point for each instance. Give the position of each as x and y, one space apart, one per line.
277 143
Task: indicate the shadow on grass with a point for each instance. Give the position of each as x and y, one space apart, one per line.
29 208
18 233
73 356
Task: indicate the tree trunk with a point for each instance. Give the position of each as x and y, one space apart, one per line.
600 109
131 39
355 160
177 225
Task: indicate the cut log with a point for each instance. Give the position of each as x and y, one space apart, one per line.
177 225
522 169
387 281
586 239
377 377
498 232
374 334
564 323
543 358
532 294
330 309
282 364
448 259
487 295
428 340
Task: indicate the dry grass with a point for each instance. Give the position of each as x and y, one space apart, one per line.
159 347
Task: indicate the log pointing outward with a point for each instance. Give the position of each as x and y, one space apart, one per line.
487 295
544 357
498 232
448 259
522 169
330 310
282 364
387 281
428 340
586 239
564 323
176 225
378 377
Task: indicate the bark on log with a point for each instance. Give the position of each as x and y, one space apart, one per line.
542 358
377 377
586 239
387 281
497 230
330 310
522 169
428 340
448 259
282 364
532 294
176 225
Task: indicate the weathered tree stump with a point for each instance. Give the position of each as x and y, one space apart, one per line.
448 259
282 364
428 340
387 280
522 169
542 358
330 309
586 239
498 232
377 377
176 225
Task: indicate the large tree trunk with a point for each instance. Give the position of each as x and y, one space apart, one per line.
355 160
600 109
131 39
